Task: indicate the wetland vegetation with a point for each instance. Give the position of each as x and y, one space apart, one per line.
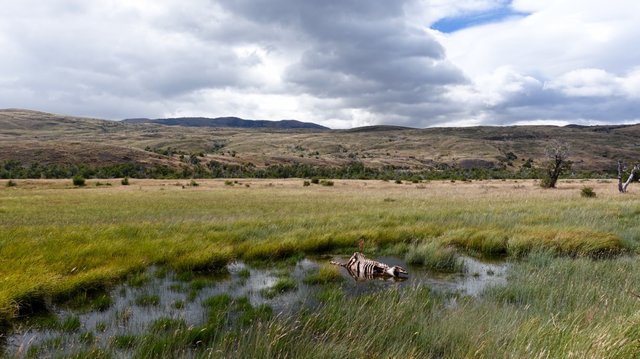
571 289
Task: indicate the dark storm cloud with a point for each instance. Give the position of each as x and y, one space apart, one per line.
362 53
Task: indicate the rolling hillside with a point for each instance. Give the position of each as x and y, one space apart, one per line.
29 138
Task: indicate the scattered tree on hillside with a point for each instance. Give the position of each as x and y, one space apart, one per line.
557 162
632 176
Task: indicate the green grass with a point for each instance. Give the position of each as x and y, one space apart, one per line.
244 273
554 307
146 300
167 324
283 285
56 240
326 274
70 324
138 280
124 341
434 256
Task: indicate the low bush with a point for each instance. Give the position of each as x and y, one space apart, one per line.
587 192
78 181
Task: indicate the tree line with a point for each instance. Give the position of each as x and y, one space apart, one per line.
12 169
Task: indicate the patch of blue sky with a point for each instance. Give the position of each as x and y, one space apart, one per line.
452 24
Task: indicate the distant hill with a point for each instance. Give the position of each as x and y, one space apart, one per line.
378 128
235 122
51 145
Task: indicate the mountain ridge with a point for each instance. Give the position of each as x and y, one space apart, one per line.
228 121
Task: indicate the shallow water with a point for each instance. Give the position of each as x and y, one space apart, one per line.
477 276
179 299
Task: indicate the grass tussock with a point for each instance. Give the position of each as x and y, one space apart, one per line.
434 256
488 242
283 285
572 242
327 273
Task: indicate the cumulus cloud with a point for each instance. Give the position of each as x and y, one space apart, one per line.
567 62
341 63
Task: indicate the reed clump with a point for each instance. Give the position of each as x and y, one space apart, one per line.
326 274
434 256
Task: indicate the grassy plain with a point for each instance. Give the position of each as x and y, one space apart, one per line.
571 291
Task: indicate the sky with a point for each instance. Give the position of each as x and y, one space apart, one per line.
339 63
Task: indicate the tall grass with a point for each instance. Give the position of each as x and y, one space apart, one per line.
552 307
434 256
55 241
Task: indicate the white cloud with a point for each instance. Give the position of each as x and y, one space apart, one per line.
569 61
587 83
341 63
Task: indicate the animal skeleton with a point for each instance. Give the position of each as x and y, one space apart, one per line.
361 267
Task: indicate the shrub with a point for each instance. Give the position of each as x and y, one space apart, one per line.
193 183
398 181
78 181
326 183
228 183
546 182
125 181
315 180
11 184
306 183
587 192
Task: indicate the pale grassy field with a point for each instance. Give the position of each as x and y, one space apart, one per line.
56 240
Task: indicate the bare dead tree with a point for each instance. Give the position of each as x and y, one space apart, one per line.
557 162
633 175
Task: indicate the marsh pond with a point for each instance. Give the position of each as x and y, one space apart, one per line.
159 301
